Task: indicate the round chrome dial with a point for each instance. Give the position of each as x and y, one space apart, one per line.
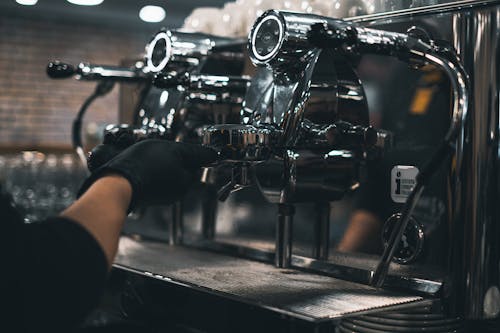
412 242
158 52
266 38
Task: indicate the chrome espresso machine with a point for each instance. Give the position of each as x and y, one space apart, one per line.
357 178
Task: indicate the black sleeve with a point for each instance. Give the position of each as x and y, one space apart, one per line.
373 193
52 275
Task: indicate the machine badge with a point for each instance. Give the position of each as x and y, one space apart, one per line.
403 178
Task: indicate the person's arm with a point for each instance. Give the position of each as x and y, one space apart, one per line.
55 270
362 233
101 210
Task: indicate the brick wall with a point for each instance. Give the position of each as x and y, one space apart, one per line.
36 111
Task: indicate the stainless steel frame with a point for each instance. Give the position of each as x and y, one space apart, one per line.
474 172
475 225
473 291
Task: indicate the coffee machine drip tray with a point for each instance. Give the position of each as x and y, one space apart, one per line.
298 294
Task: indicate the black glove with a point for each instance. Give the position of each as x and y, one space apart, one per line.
101 154
159 171
115 141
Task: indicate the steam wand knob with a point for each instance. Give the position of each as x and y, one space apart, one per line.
60 70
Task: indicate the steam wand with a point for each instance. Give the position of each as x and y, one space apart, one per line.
101 89
106 77
350 38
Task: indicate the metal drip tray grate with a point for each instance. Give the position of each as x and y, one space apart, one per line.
296 293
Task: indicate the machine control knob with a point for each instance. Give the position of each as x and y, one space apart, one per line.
60 70
412 242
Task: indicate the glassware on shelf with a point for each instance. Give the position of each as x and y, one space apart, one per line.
41 184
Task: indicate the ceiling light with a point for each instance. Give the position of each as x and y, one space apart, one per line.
152 14
27 2
86 2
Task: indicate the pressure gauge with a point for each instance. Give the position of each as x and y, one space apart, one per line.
412 241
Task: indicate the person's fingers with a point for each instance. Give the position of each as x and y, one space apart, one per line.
100 155
195 156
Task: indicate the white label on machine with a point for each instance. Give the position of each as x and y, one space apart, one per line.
403 178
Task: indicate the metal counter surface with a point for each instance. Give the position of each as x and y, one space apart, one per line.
295 293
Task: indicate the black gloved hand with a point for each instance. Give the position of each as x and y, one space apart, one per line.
115 141
159 171
101 154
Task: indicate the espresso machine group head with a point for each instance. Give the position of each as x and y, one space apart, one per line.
298 149
200 73
304 133
299 133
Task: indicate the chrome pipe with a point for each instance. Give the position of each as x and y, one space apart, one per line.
284 228
449 62
209 212
475 229
176 226
322 231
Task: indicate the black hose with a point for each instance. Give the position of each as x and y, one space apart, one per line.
102 88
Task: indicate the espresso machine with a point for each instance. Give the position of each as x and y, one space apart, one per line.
196 81
392 117
185 81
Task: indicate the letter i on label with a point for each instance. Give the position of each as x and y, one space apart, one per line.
403 179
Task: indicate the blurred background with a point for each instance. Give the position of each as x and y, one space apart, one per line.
37 164
35 111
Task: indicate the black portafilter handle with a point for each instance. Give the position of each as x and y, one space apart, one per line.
169 80
60 70
351 38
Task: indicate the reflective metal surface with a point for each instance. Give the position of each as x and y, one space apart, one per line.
301 295
476 233
383 9
304 135
284 225
191 69
352 39
188 50
206 88
302 84
346 266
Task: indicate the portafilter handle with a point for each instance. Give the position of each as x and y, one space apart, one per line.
239 147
